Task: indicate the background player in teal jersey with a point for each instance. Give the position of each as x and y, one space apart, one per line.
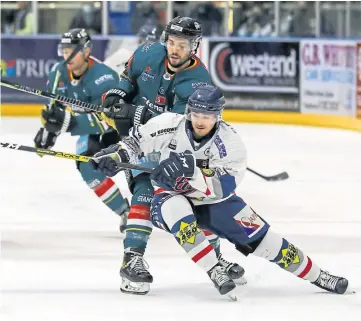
82 77
159 78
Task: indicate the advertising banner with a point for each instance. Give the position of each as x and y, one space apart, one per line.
358 80
328 77
256 75
28 61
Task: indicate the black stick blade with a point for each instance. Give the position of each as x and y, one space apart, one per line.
279 177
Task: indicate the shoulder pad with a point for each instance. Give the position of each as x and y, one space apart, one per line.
149 53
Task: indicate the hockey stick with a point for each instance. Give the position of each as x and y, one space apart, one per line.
278 177
86 159
42 93
76 157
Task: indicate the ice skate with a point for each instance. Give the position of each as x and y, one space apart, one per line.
134 273
223 283
331 283
234 271
138 288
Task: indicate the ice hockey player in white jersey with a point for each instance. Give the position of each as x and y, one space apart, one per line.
203 160
117 61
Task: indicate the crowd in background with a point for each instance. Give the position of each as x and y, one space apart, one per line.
250 19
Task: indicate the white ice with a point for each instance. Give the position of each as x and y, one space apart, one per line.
61 250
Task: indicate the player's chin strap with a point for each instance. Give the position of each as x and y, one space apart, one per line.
75 157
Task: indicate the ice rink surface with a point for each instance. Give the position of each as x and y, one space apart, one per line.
61 251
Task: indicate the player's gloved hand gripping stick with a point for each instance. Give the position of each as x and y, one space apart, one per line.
76 157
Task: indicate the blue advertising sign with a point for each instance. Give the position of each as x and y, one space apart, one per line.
28 61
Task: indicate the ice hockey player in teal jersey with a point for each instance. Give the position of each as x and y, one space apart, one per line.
85 78
159 78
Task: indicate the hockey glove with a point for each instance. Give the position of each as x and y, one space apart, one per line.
174 172
57 119
121 115
114 96
109 159
124 116
49 142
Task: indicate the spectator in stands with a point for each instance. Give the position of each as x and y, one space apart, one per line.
303 23
256 20
21 20
89 17
145 14
7 19
209 17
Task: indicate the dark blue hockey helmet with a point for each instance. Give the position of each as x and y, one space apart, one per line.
148 33
77 39
207 99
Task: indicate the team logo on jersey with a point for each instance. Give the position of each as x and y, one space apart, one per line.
207 152
161 90
146 75
160 100
75 82
207 172
61 87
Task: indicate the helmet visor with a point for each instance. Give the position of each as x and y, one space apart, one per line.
66 49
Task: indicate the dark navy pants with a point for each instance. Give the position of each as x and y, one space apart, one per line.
231 219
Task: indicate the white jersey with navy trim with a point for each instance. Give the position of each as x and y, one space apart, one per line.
221 160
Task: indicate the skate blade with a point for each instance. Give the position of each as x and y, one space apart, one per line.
233 295
137 288
351 291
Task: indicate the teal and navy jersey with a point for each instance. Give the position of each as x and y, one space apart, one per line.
98 79
146 76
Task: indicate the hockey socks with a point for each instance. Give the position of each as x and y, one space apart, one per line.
290 258
287 256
